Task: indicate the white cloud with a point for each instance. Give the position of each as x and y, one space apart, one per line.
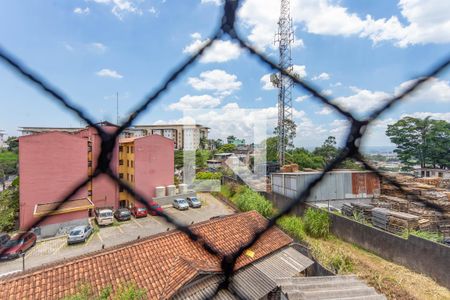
422 115
362 100
426 21
152 10
82 11
98 47
220 51
122 7
109 73
258 99
216 80
326 92
325 111
188 102
302 98
335 84
435 89
215 2
266 84
322 76
68 47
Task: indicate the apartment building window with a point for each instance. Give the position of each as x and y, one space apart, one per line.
121 162
121 175
121 189
132 164
90 163
132 149
128 149
89 193
120 148
128 163
132 178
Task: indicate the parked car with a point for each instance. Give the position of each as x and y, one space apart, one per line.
4 237
122 214
17 245
155 208
79 234
104 216
139 212
180 204
193 202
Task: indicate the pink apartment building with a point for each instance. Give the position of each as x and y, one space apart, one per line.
52 163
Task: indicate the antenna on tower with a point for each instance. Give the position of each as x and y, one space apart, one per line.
284 38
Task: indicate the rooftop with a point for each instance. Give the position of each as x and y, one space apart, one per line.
161 264
68 206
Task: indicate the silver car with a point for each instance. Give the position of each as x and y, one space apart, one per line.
79 234
194 202
180 204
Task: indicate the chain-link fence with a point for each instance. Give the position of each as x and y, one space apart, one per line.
226 28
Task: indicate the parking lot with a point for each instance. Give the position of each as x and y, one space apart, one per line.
56 249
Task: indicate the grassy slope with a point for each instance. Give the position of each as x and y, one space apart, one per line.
395 281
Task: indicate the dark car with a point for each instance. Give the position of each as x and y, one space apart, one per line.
139 212
4 237
155 208
17 245
122 214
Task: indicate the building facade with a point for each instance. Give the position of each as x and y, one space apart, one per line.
430 172
145 163
52 163
185 137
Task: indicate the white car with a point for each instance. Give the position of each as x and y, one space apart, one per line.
79 234
104 216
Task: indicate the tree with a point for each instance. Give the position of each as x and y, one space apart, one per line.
421 141
291 132
9 207
306 159
328 149
271 148
8 162
179 159
13 144
227 148
231 139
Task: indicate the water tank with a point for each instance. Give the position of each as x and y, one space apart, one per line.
160 191
171 190
182 188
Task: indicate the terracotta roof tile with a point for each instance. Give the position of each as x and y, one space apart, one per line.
160 264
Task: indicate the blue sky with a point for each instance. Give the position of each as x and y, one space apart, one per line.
358 52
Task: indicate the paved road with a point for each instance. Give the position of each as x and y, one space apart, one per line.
53 250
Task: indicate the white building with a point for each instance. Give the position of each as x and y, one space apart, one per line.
185 137
2 139
430 172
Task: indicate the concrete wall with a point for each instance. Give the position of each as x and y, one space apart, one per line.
153 164
50 165
62 228
415 253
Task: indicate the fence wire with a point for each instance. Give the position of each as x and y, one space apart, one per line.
226 28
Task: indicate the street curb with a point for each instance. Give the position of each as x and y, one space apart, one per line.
51 238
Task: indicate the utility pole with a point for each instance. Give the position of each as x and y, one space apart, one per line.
284 38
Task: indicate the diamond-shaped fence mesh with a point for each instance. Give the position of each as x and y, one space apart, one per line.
226 28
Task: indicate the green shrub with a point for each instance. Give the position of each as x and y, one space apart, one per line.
341 263
9 208
208 175
317 223
293 226
128 291
427 235
251 200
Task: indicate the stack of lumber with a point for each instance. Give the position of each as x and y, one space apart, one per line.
434 181
362 209
289 168
396 203
347 210
400 221
380 217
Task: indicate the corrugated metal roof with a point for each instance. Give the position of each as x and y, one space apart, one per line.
285 263
254 281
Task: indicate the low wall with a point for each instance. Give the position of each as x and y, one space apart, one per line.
50 230
417 254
